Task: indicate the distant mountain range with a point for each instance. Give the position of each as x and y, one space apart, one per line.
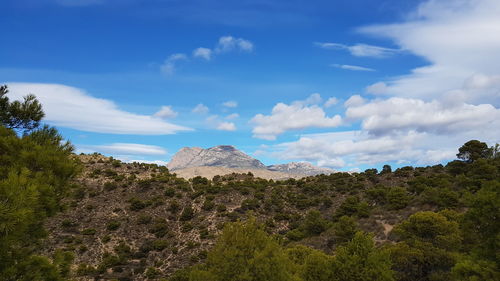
226 159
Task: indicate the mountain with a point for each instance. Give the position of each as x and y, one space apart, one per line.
302 168
220 156
226 159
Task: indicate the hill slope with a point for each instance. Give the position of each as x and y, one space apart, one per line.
125 220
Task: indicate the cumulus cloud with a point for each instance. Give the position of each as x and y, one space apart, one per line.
230 104
430 112
352 67
215 122
166 112
354 148
232 116
296 116
460 40
354 100
401 114
360 50
71 107
226 126
203 53
124 149
168 66
230 43
331 102
200 109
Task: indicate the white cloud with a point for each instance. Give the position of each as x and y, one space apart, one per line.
352 67
332 163
157 162
226 126
71 107
168 66
377 88
311 100
230 43
299 115
400 114
214 122
232 116
203 53
166 112
355 100
460 40
225 44
124 149
360 50
200 109
230 104
431 111
331 102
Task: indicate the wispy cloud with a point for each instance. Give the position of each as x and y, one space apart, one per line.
360 50
71 107
352 67
230 104
230 43
460 40
225 44
168 66
204 53
200 109
124 149
232 116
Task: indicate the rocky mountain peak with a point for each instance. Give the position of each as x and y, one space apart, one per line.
221 156
304 168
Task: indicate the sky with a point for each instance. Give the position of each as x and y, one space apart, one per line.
348 84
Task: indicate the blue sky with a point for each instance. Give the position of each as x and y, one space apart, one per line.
344 84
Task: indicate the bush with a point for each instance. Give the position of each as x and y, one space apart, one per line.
187 213
144 219
137 204
397 198
88 231
113 225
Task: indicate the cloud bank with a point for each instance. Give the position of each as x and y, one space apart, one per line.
73 108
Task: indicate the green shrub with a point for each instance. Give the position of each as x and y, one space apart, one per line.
113 225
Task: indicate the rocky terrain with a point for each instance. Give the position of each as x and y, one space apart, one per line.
212 171
300 168
190 162
221 156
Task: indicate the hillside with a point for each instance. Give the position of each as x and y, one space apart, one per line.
138 221
212 171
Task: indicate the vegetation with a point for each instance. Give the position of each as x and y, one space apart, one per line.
35 170
64 216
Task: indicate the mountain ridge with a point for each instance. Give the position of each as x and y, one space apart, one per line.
229 157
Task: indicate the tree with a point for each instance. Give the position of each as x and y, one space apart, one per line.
344 230
245 252
35 169
24 116
428 247
473 150
360 260
387 169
